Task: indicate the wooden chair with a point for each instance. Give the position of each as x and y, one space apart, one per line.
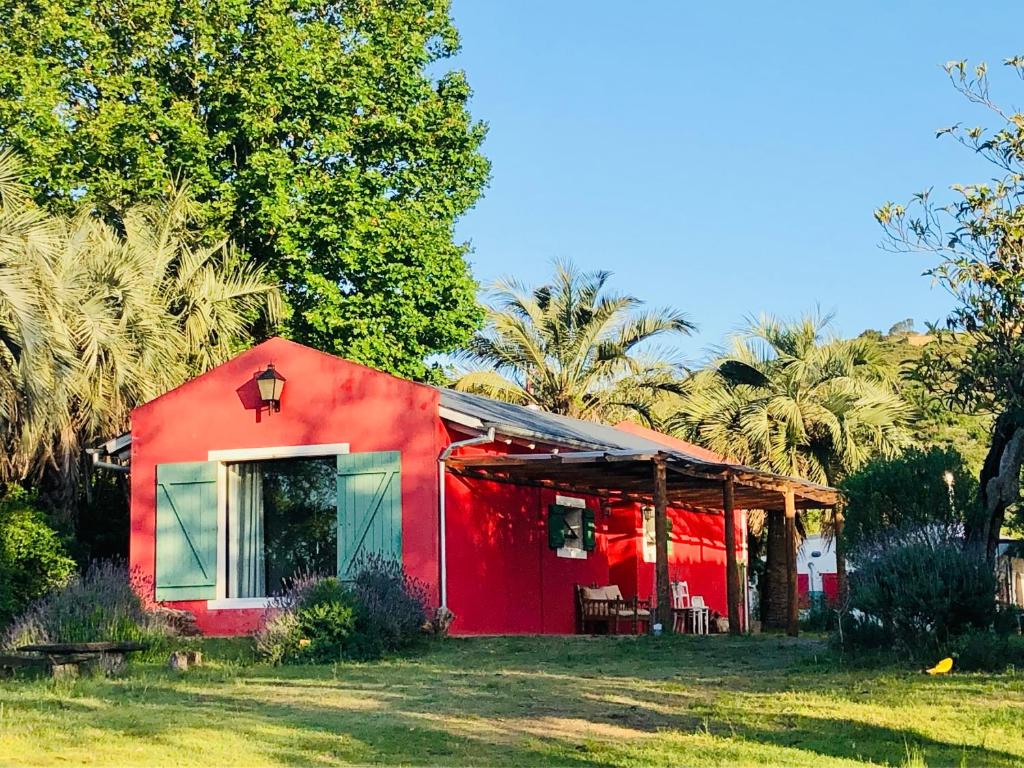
605 606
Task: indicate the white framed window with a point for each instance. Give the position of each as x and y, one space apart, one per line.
277 516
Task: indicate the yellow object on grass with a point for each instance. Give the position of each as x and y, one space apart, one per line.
942 667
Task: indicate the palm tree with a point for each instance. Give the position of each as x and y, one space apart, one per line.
35 361
572 347
96 318
788 399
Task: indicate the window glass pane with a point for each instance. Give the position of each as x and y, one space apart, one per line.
282 520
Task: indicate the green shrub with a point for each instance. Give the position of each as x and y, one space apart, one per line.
325 631
312 621
323 620
986 651
916 589
1008 620
860 632
820 616
392 607
277 639
99 605
33 560
905 492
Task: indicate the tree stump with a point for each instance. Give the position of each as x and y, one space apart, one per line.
178 661
112 664
64 671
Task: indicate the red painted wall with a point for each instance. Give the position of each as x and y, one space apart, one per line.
502 577
325 400
697 555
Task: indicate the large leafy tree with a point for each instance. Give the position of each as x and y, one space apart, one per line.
787 398
573 347
976 363
323 137
96 319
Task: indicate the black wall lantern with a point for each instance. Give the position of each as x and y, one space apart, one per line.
271 384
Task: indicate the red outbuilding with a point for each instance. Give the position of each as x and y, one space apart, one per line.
286 459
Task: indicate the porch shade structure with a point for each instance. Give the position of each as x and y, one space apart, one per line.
665 478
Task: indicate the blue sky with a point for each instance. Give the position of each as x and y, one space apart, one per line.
724 158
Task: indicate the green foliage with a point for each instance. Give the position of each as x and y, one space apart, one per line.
100 605
789 398
96 319
312 622
33 560
977 238
392 607
936 422
572 347
277 639
324 630
325 139
916 589
907 491
987 651
821 616
322 620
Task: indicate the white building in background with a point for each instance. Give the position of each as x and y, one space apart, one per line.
816 566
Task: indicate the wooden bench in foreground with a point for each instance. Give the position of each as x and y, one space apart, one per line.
64 659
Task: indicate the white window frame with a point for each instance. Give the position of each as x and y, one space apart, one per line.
576 552
230 456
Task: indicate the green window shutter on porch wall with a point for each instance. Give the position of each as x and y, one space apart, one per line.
186 531
556 526
589 530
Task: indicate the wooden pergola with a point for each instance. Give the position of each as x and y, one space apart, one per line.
666 478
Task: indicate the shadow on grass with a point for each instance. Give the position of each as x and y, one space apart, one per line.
520 701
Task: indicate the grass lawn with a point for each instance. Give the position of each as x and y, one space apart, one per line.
524 701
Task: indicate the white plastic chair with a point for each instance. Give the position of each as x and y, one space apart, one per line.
680 605
700 615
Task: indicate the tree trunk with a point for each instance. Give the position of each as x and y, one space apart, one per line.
774 602
999 485
58 492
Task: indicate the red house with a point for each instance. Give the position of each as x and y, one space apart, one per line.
500 510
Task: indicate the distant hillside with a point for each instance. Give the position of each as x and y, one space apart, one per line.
936 424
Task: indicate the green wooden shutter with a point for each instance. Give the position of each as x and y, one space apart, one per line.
556 526
186 531
369 507
589 530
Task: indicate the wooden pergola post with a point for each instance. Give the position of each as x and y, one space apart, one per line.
838 521
792 595
732 581
664 596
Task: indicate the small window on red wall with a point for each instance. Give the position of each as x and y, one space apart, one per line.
571 528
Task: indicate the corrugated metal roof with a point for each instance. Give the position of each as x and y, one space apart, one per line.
541 426
519 421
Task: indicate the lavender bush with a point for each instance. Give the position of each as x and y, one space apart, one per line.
319 619
100 605
393 606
